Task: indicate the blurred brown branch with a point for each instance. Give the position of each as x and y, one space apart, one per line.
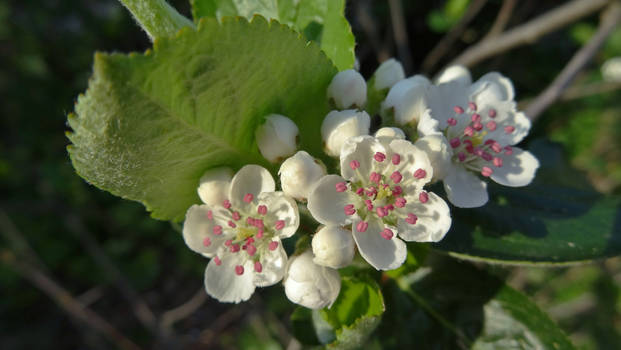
401 35
502 19
530 31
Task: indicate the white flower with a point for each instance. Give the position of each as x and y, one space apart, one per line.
299 173
389 133
454 74
611 69
477 125
348 89
333 247
309 284
277 137
338 126
242 235
407 99
214 185
388 74
380 194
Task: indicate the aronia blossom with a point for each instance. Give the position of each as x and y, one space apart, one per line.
380 196
479 126
242 235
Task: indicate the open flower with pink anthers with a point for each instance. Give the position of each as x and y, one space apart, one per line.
478 124
242 235
380 194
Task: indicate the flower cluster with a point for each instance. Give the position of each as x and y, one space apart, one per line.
450 130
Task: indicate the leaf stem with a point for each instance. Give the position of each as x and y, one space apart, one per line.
404 285
156 17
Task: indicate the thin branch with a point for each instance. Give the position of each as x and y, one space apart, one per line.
611 18
401 35
369 27
182 311
139 307
502 19
529 32
17 240
65 300
443 46
576 92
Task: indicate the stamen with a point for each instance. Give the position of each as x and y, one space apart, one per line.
362 226
207 242
375 177
349 209
475 118
251 250
509 129
455 142
389 207
210 215
423 197
262 209
458 110
477 126
280 224
498 162
369 204
491 125
250 221
232 224
461 156
217 261
360 191
226 204
258 223
411 219
259 234
236 215
273 245
258 267
486 156
379 156
400 202
396 177
381 212
486 171
239 270
396 159
354 164
217 230
397 190
387 234
492 113
468 131
372 191
451 121
420 173
496 147
234 248
249 240
341 187
472 106
508 150
228 242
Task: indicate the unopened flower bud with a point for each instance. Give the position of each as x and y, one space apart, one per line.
214 185
348 89
407 99
390 133
277 137
299 173
454 73
388 74
611 69
338 126
333 247
309 284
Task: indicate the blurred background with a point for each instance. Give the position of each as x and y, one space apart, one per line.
65 243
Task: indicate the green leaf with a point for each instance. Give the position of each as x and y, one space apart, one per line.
156 17
356 312
322 21
150 125
557 219
454 305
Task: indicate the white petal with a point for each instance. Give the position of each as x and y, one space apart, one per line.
503 85
381 253
412 159
326 204
427 125
309 284
338 126
274 263
214 185
439 152
299 173
387 134
281 207
277 137
454 73
222 283
464 189
333 247
197 227
443 98
348 89
388 74
518 169
407 99
251 179
434 220
361 149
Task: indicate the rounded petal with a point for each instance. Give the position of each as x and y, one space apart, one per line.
326 204
277 137
274 263
518 169
464 189
443 98
198 227
412 159
348 89
360 149
381 253
338 126
503 86
333 247
299 173
309 284
434 220
281 207
388 74
427 125
222 283
407 99
439 152
387 134
251 179
454 73
214 185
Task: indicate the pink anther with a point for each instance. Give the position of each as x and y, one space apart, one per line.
362 226
262 209
273 245
492 113
207 242
239 270
396 159
509 129
349 209
217 261
226 204
491 125
400 202
258 267
217 230
379 156
386 234
423 197
455 142
280 224
498 162
341 187
458 110
411 219
396 177
472 106
420 173
451 121
486 171
354 164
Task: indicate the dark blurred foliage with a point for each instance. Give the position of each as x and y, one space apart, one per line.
46 52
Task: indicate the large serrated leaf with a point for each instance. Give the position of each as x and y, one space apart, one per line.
150 125
557 219
320 20
454 305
